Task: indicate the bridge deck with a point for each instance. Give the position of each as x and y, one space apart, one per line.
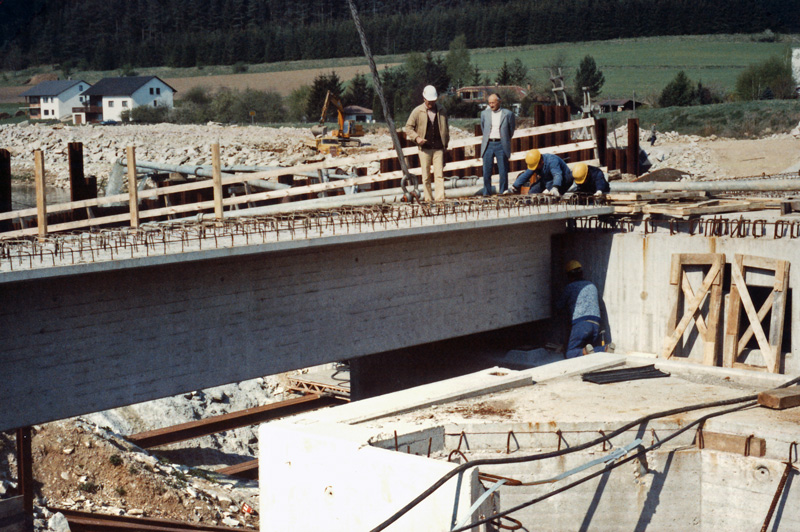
117 321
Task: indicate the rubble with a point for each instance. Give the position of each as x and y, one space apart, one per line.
86 464
164 143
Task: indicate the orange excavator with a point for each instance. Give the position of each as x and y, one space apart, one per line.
341 137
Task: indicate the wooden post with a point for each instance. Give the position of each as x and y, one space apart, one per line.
633 146
133 192
25 474
77 181
601 134
217 175
5 187
41 194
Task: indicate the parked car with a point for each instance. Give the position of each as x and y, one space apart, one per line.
109 123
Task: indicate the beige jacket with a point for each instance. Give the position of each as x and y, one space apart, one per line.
417 124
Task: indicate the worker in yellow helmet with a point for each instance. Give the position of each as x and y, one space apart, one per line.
589 180
580 299
553 176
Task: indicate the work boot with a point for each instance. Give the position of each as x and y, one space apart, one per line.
588 350
611 347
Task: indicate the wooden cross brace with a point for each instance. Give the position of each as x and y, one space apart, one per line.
712 286
740 298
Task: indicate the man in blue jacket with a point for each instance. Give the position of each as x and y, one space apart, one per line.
590 180
553 175
498 127
580 299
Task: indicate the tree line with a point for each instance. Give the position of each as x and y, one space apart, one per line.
112 34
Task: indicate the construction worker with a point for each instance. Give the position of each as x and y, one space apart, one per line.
498 127
580 299
589 180
553 175
427 127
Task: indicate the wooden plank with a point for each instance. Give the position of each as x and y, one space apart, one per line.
731 349
778 316
655 196
41 196
752 315
763 263
732 443
762 313
133 197
780 398
700 259
673 338
329 164
634 208
217 178
714 305
689 295
696 209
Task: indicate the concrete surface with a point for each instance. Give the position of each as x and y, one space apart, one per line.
679 487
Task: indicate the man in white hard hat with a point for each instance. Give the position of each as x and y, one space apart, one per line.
427 127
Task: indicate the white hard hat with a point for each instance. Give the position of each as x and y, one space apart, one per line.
429 93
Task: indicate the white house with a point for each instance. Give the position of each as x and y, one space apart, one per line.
109 97
54 100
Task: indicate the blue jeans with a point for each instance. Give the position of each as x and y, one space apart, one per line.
494 150
584 331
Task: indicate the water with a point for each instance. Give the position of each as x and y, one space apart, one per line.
23 195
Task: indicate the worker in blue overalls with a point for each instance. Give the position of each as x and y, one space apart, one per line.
581 300
553 176
589 180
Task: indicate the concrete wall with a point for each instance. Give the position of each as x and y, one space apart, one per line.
123 333
326 477
631 271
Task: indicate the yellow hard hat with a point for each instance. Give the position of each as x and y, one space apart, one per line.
579 172
572 266
533 158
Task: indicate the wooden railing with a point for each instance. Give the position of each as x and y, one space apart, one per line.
463 157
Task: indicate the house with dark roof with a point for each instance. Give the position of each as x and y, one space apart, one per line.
619 104
357 113
110 97
54 100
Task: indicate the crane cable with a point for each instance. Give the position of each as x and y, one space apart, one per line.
408 178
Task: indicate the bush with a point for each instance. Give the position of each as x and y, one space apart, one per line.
88 487
239 68
771 79
115 459
144 114
678 92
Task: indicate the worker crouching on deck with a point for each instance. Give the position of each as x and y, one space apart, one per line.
427 127
589 180
553 176
581 300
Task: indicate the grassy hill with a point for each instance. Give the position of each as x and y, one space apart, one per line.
645 65
642 65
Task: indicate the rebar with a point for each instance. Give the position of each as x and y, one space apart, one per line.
196 234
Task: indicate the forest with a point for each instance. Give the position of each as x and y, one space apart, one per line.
112 34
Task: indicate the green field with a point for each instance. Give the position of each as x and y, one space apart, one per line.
643 66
